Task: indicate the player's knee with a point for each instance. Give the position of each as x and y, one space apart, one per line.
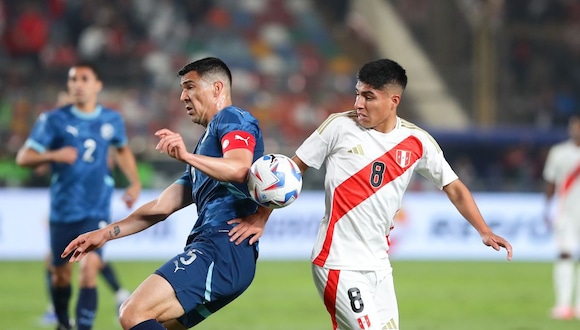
565 255
128 317
61 276
89 270
131 314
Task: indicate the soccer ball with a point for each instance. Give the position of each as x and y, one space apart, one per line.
274 181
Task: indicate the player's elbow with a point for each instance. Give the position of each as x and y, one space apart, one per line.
240 174
22 160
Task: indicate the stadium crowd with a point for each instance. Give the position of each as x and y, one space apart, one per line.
291 69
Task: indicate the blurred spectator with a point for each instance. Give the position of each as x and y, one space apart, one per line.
26 36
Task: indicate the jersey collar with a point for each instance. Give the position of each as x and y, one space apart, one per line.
83 115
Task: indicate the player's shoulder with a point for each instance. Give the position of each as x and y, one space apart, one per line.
233 114
58 114
338 119
233 111
563 147
415 130
109 112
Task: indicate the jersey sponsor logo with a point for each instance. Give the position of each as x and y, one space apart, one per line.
357 150
72 130
239 137
177 267
403 157
391 325
107 131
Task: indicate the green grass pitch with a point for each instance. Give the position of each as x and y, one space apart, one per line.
432 296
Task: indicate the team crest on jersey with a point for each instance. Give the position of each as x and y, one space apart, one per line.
107 131
403 157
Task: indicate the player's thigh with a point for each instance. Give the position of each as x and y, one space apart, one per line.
209 274
90 266
154 298
358 300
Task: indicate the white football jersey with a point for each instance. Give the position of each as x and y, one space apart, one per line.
563 169
367 173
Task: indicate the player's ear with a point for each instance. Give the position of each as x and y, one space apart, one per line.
218 86
99 85
396 99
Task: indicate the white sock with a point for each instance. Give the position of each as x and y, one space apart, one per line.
563 282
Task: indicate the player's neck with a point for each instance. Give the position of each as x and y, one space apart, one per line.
89 107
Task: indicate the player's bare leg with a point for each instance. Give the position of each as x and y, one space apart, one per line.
154 299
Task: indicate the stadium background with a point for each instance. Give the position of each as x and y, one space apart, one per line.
493 81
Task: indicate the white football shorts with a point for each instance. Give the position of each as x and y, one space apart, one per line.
567 233
363 300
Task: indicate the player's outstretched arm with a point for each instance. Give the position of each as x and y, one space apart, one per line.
85 243
462 199
173 198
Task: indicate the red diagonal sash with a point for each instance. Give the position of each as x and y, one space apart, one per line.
358 187
570 180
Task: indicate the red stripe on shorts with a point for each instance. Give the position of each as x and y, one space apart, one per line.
330 295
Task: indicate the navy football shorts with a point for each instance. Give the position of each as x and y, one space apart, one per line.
210 273
62 233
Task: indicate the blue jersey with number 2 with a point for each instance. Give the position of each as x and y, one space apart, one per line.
82 190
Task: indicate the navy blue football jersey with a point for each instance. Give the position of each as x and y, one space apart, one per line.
216 201
82 190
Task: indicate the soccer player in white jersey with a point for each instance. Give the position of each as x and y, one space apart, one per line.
370 155
562 175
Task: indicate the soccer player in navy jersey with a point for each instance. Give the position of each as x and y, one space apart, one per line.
75 140
211 271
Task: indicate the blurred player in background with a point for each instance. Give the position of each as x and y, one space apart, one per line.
75 141
562 175
107 272
370 155
212 271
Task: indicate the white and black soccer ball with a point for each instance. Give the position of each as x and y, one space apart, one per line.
274 181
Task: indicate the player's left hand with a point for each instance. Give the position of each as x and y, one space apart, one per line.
497 242
83 244
251 225
171 143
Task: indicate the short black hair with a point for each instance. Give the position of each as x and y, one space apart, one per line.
382 72
206 65
90 65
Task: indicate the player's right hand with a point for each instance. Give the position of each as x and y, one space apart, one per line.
66 155
83 244
172 144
